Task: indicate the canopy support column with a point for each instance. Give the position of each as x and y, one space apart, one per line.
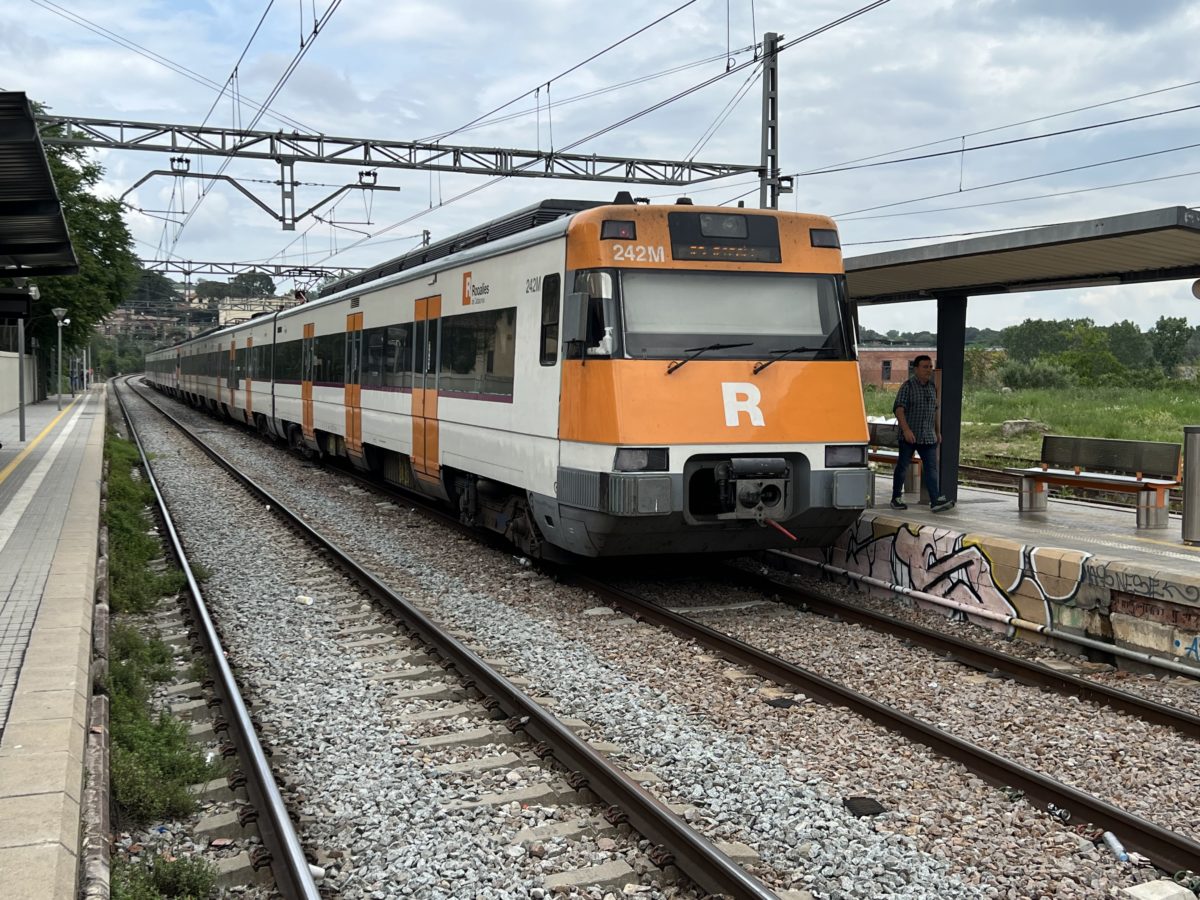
951 346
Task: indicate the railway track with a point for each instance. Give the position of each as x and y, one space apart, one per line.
976 656
282 851
528 595
1167 849
585 771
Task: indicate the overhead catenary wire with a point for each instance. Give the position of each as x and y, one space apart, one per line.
586 95
229 83
995 144
805 37
995 128
318 25
1008 181
723 116
694 88
571 69
1086 190
157 58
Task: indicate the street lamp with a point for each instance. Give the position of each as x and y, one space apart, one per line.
59 312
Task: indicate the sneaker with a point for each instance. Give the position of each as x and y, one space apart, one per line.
897 503
941 505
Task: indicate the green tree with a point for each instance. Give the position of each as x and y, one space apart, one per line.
1089 355
980 366
111 355
1169 338
1034 338
1129 345
252 284
1191 352
107 265
213 290
154 288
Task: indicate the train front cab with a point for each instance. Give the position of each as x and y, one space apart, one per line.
711 398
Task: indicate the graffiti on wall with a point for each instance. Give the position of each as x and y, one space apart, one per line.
1009 580
1107 575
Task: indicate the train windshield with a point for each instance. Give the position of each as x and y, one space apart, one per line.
667 313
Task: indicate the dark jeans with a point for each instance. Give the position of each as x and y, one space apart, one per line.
929 463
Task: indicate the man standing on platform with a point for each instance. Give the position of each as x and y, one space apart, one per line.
916 413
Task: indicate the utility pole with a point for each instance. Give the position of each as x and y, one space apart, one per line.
768 179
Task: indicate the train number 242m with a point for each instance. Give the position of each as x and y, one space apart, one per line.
638 253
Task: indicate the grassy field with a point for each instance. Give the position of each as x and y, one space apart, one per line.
1130 413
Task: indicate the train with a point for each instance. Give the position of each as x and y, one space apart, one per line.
588 379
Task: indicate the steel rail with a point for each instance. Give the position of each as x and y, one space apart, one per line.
692 853
1170 851
289 867
1144 657
977 656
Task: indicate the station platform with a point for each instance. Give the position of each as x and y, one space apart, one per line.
1080 569
49 546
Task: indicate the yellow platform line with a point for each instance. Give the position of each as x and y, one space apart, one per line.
8 470
1177 545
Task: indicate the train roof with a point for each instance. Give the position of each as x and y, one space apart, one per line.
505 226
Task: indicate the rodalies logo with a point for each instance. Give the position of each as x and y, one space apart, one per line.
474 293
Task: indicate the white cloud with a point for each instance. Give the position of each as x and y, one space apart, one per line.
905 74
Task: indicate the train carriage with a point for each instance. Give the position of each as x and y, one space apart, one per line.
600 379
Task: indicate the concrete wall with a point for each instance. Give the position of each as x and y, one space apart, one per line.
1111 600
9 379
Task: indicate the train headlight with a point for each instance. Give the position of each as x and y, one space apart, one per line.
840 456
641 459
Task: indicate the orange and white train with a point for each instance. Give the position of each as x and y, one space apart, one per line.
599 379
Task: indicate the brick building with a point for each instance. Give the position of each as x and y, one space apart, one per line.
887 367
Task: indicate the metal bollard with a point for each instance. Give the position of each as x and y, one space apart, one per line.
1191 484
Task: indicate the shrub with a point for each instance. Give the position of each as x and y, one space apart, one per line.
187 878
134 587
153 764
1037 374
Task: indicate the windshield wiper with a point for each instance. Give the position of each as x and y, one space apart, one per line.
696 351
780 354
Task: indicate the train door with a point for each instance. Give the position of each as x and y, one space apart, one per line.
249 376
233 373
425 403
306 381
352 400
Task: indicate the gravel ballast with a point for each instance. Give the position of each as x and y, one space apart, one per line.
772 777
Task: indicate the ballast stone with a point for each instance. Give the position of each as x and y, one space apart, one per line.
1158 890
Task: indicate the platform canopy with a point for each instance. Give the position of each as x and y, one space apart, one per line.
33 231
1159 245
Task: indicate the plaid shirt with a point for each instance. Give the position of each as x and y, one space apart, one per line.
919 402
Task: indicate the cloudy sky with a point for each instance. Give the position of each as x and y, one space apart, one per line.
930 74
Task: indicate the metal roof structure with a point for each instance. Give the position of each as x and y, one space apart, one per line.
33 231
1158 245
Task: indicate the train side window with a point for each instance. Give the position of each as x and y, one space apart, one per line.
398 356
551 307
373 370
602 321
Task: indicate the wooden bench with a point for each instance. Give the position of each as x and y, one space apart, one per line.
1148 469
